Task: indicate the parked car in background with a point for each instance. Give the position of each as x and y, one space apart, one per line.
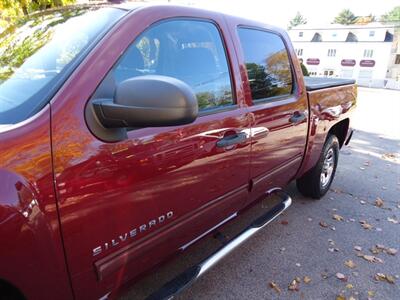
128 133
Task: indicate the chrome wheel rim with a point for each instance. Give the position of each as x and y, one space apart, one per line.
327 168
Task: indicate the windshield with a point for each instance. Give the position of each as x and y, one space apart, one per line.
37 51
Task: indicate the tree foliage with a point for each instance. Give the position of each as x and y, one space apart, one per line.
297 20
11 10
365 19
345 17
392 16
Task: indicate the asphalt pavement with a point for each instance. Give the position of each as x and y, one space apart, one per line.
343 246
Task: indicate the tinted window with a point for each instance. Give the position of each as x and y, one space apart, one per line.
191 51
36 51
267 63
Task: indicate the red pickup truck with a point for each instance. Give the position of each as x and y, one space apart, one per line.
129 133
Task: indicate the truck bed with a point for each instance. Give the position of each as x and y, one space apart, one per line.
318 83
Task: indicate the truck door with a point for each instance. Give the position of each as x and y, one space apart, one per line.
279 109
125 206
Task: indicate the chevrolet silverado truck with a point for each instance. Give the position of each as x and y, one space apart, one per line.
128 133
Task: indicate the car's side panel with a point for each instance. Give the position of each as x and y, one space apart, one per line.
327 108
31 252
122 182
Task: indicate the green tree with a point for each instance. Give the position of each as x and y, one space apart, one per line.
297 20
392 16
304 69
345 17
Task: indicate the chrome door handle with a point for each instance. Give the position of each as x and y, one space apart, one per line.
231 140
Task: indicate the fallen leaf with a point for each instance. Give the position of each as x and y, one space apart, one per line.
349 286
380 246
337 217
390 156
293 286
349 263
306 279
341 276
365 225
284 222
383 277
323 224
391 251
275 286
352 298
340 297
375 250
371 293
371 258
379 202
393 220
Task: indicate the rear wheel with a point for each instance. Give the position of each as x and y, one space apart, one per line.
316 182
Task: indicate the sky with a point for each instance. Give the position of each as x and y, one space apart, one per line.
279 12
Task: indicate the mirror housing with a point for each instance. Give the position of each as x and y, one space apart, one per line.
148 101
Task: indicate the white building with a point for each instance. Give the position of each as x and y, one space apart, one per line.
368 53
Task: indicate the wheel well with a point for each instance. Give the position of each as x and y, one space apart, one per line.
9 292
340 130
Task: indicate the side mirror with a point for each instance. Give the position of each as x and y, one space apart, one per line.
148 101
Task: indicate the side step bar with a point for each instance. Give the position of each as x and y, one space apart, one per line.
185 279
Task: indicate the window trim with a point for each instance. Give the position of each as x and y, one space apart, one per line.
212 110
295 87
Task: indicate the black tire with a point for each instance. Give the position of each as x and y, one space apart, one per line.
316 182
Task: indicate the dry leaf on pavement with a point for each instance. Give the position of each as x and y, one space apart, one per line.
349 286
337 217
340 297
323 224
379 202
306 279
393 220
371 258
391 251
293 286
349 263
341 276
274 285
365 224
383 277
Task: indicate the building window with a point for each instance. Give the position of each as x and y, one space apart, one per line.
300 33
299 52
317 38
351 37
397 60
368 53
332 52
372 33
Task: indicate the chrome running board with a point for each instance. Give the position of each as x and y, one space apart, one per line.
185 279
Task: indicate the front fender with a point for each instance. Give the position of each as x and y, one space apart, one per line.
31 253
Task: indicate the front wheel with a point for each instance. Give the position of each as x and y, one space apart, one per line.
316 182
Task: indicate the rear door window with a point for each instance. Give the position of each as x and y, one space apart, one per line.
267 64
189 50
